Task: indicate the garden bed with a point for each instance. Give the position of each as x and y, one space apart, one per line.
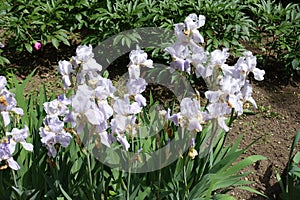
70 137
276 120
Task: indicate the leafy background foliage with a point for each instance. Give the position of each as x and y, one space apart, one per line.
266 23
277 32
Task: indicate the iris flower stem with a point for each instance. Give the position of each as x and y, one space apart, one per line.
128 183
129 172
90 175
159 181
232 118
89 167
15 179
213 133
185 181
186 192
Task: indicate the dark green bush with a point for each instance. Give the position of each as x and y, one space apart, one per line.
225 23
24 22
277 33
273 27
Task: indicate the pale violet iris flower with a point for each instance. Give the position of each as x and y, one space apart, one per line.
138 59
8 102
19 136
190 115
190 111
54 133
218 111
8 145
218 57
6 155
251 62
57 106
124 107
192 24
136 86
187 44
65 69
84 106
104 88
84 53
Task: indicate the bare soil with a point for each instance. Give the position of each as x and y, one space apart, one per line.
276 121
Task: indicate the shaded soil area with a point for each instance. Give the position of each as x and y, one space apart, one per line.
276 120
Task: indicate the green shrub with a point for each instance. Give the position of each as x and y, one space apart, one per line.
277 33
24 22
227 24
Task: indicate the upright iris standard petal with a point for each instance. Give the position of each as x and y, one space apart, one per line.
190 115
218 109
213 96
91 65
139 58
193 22
84 53
65 69
2 82
6 117
190 107
55 107
104 89
219 57
258 74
